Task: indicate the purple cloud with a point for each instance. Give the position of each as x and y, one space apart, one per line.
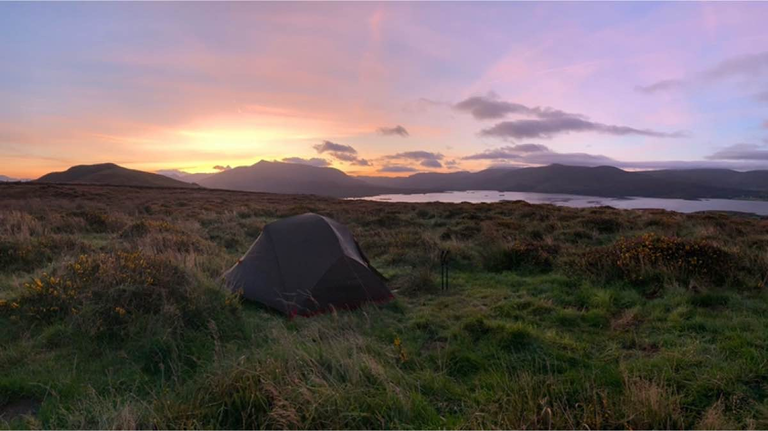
490 107
741 152
508 152
222 168
344 153
416 155
547 128
431 163
392 131
332 147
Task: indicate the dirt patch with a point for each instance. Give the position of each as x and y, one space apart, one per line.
18 408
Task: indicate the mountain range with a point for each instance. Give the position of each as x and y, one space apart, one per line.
291 178
603 181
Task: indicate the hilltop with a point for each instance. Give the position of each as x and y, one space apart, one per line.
111 174
292 178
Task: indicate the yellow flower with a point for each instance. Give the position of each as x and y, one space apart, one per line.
120 310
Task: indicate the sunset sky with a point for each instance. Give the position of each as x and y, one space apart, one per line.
382 89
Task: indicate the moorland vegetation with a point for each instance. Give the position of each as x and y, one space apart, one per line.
112 316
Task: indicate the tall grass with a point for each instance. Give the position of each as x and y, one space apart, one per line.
112 316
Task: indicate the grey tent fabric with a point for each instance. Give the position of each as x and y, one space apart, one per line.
304 265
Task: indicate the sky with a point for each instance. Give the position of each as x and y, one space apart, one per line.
382 88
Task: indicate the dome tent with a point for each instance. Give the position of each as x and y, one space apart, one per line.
304 265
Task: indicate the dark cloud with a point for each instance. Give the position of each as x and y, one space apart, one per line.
489 107
503 153
660 86
750 65
314 161
741 152
332 147
547 123
431 163
547 128
222 168
344 153
397 169
534 154
528 148
391 131
416 155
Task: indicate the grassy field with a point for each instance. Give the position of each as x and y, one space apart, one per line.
111 316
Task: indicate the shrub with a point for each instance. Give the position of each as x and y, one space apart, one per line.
651 257
144 227
525 256
602 224
102 222
26 256
117 294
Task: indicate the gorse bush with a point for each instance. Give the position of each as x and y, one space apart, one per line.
144 227
28 255
652 258
109 295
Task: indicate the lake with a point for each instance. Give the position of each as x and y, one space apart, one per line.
679 205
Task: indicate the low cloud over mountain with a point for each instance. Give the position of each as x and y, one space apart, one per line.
425 158
741 152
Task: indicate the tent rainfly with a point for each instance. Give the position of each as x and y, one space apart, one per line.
304 265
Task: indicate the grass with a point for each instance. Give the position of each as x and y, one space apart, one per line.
111 316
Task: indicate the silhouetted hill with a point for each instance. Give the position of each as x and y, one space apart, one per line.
593 181
111 174
278 177
751 180
4 179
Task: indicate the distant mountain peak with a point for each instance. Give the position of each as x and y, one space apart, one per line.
280 177
111 174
